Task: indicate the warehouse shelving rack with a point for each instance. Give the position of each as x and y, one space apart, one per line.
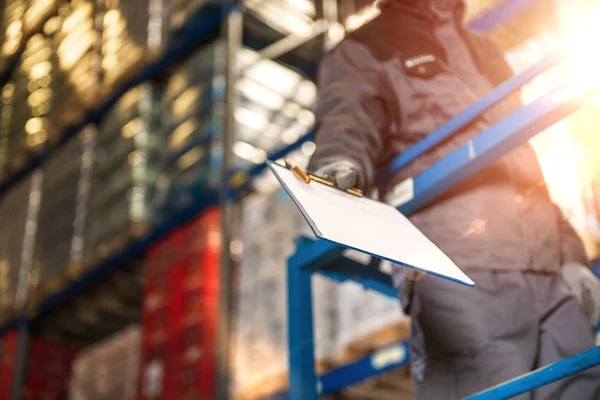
208 23
201 27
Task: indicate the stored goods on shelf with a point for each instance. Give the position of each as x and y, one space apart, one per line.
76 41
15 211
47 372
108 369
126 168
53 85
36 80
12 29
37 12
62 233
273 111
180 313
130 38
7 100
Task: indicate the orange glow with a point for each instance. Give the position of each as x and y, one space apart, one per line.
581 33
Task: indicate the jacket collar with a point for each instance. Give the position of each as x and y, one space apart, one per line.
422 9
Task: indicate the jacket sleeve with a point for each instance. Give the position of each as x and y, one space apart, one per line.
571 245
351 118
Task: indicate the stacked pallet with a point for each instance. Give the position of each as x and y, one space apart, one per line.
17 211
46 377
109 369
76 41
190 124
126 31
179 319
12 30
62 221
53 85
75 54
125 171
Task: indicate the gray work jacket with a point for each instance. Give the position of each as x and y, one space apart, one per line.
399 77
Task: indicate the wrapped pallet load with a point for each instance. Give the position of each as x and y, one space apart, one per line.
18 215
13 14
76 41
108 369
7 101
190 124
126 168
132 35
273 111
33 121
64 208
36 14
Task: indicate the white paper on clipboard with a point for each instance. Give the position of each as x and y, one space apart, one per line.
368 226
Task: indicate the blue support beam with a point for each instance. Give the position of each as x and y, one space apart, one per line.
473 112
368 276
303 378
542 376
382 360
499 14
314 254
385 359
596 267
497 141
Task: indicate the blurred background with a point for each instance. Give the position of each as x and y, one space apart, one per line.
113 116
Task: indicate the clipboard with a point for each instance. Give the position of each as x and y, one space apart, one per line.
349 219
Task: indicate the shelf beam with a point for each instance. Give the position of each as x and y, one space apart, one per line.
543 376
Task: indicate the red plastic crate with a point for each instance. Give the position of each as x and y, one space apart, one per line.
47 376
155 372
193 364
182 281
8 346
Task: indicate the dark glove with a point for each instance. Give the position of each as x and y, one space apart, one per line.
345 173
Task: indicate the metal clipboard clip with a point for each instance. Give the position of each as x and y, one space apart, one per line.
324 180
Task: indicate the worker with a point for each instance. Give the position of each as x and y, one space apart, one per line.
383 88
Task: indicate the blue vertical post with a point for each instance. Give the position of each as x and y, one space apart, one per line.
301 346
